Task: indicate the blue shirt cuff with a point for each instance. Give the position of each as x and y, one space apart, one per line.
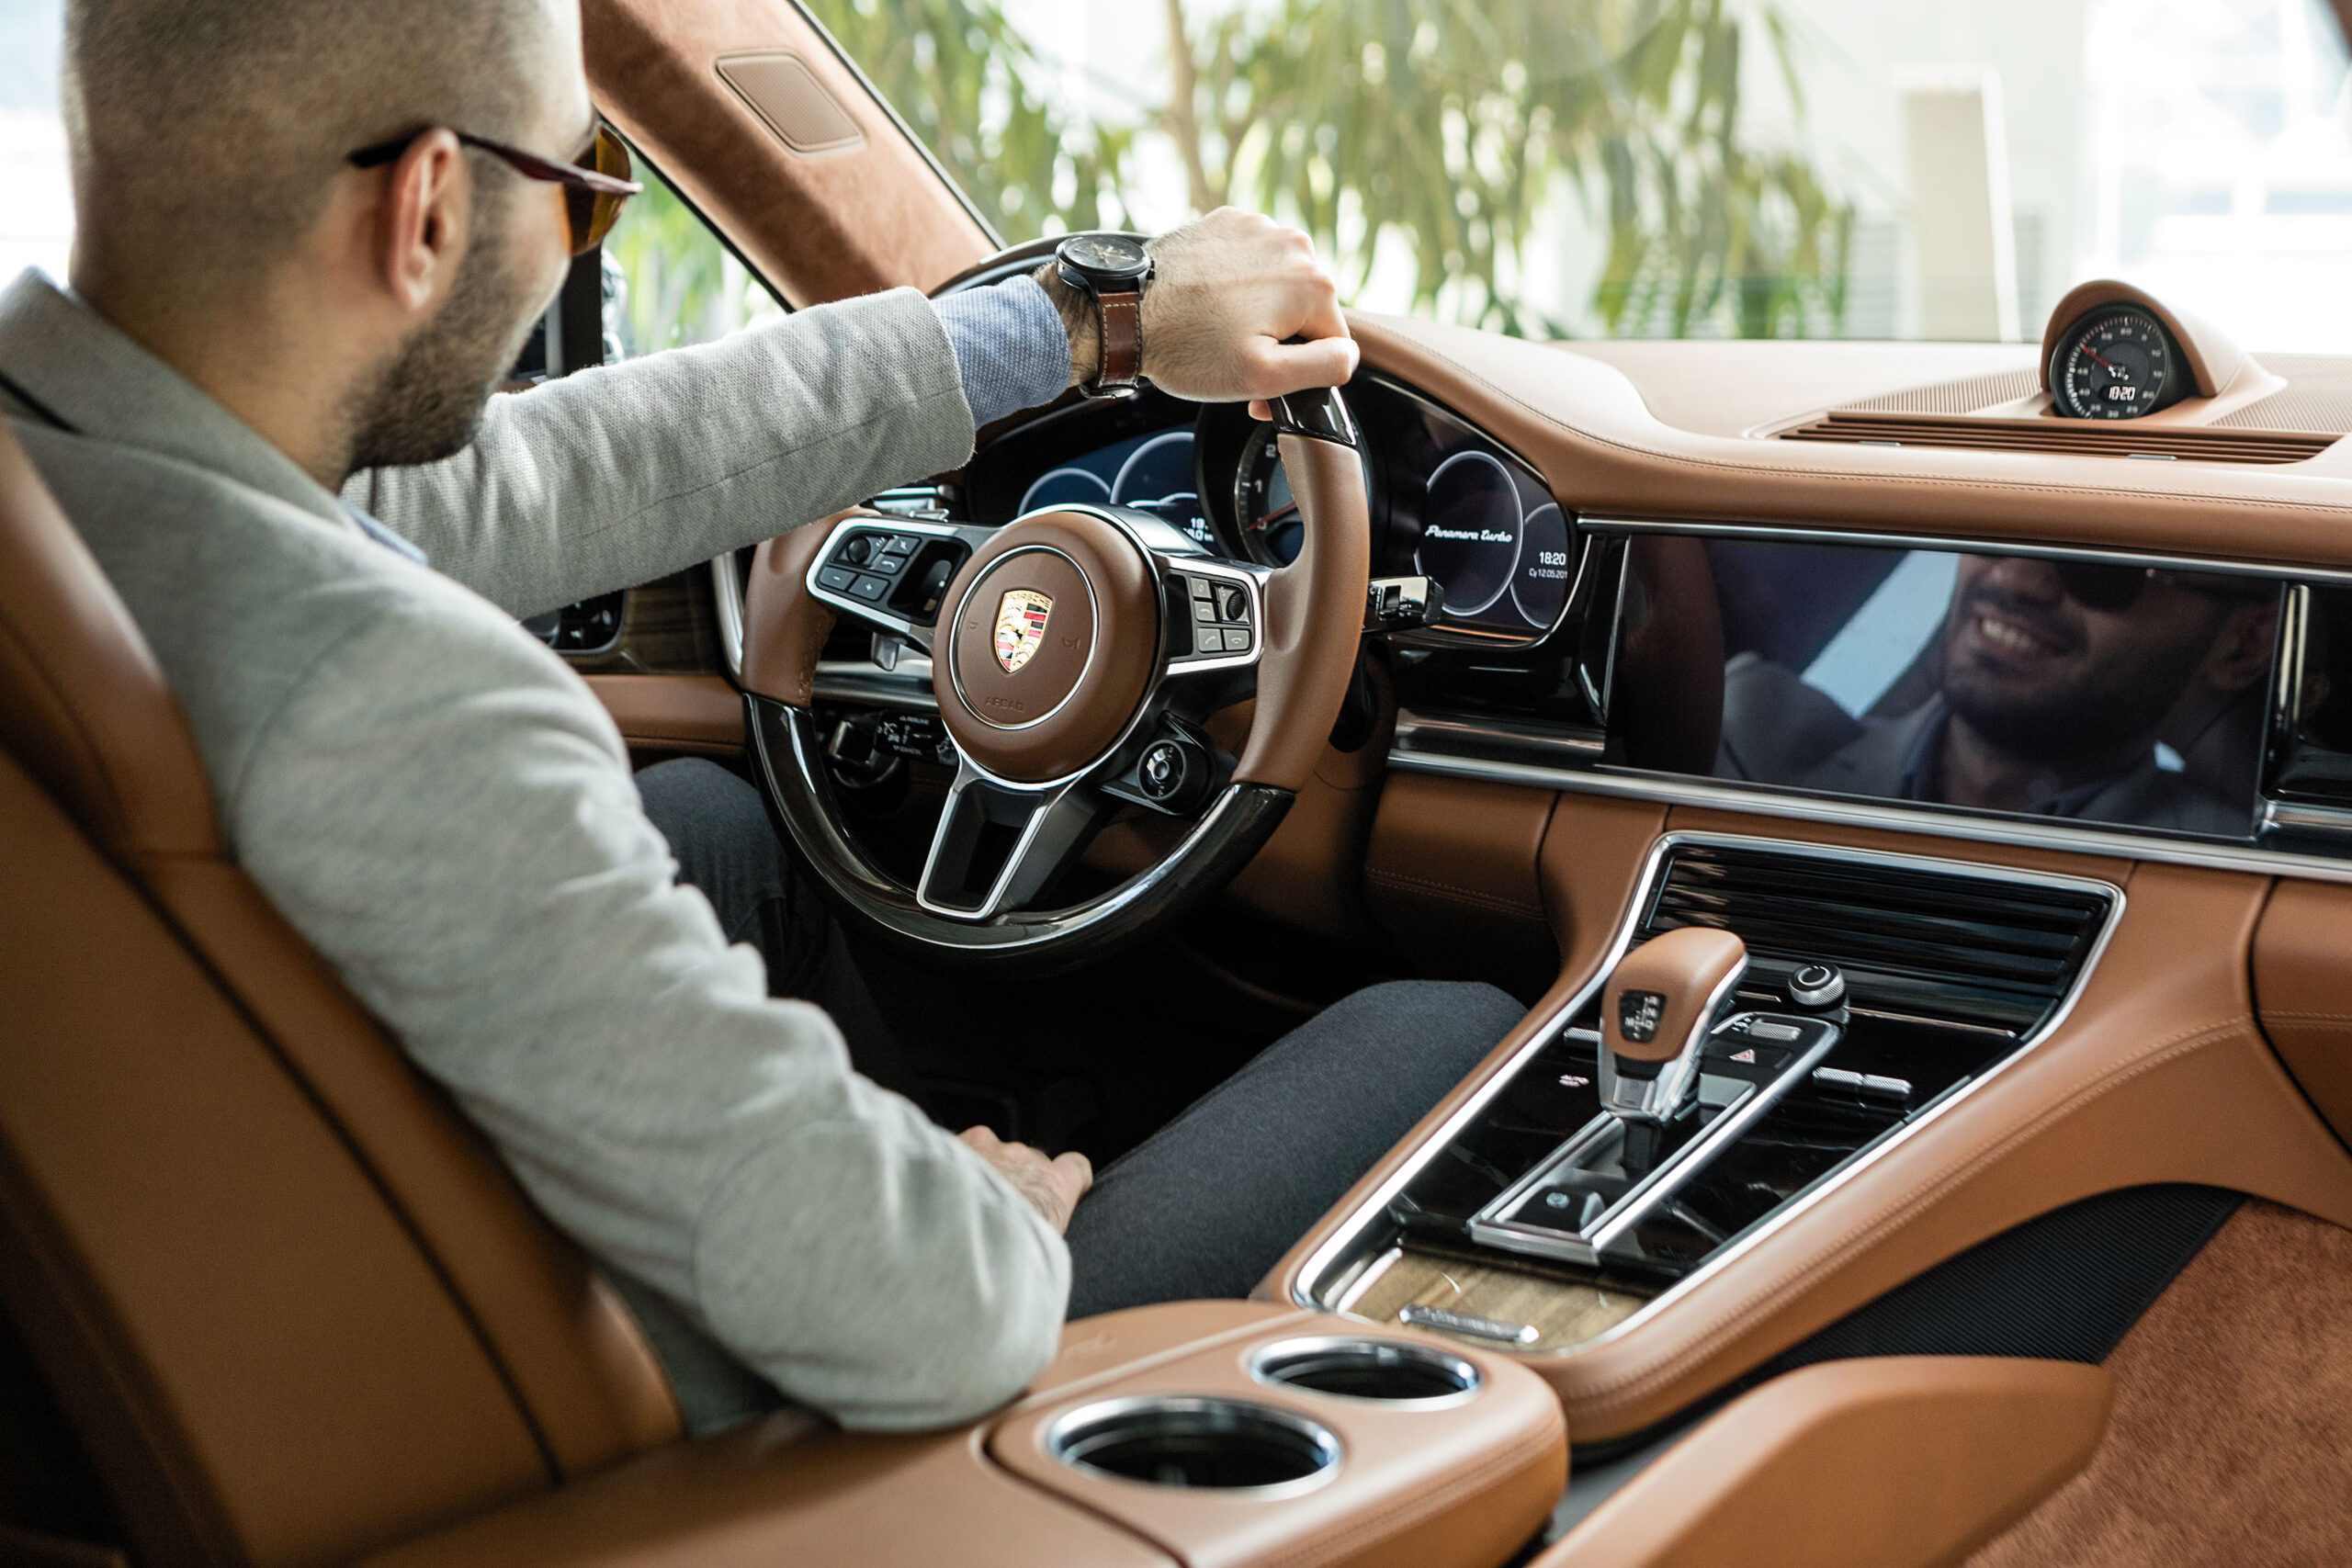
1010 347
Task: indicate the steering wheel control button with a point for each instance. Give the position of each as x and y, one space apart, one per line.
1817 985
899 545
1161 773
857 550
870 588
1233 604
1204 612
835 579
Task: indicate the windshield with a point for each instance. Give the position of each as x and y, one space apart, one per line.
1665 168
1613 168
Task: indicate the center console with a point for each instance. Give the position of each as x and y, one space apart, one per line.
1773 1017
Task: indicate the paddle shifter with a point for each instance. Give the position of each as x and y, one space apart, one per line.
1654 1016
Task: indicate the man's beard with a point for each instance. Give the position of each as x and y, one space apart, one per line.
2114 708
426 404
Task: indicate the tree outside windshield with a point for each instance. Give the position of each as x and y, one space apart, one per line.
1675 168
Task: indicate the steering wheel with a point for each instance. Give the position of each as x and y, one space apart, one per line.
1074 653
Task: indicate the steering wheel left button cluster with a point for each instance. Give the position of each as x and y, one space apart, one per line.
896 575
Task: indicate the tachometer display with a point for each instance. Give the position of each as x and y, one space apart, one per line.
2114 364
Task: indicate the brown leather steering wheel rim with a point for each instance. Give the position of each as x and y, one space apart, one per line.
1313 617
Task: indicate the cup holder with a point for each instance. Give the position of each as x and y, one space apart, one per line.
1388 1370
1225 1444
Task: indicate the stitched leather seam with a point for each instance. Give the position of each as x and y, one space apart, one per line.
2268 1016
1414 1509
1607 1395
1468 894
1728 466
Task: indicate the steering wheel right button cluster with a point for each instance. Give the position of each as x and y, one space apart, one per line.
1220 621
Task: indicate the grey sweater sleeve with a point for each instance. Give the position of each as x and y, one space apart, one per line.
614 477
448 813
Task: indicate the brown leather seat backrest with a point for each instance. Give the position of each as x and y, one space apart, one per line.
293 1305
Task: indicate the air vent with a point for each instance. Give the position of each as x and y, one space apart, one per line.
2203 444
1978 951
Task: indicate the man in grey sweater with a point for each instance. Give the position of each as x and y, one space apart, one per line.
264 337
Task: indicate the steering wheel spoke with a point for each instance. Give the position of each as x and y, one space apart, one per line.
999 847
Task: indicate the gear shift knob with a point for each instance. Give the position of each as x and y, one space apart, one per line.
1653 1013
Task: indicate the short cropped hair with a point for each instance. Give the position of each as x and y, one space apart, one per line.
205 134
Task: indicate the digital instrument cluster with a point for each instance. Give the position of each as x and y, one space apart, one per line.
1152 473
1448 502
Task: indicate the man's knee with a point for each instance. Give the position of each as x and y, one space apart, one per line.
718 831
1455 1015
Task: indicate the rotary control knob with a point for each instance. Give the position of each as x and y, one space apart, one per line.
1817 985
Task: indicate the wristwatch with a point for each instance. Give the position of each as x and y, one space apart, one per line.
1109 269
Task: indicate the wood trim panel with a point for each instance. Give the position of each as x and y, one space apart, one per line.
669 627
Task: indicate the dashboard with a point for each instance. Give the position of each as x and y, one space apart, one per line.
1449 502
1888 585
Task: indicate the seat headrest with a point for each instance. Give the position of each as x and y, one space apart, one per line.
84 705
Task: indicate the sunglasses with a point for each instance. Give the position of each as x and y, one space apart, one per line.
592 197
2102 585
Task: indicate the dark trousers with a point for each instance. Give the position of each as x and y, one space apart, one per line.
1208 1204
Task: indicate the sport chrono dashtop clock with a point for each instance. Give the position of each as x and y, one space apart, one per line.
1111 270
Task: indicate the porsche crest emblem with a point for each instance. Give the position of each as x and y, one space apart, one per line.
1021 626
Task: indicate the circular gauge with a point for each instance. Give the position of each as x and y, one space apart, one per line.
1271 529
1540 586
1065 487
2114 364
1160 467
1471 525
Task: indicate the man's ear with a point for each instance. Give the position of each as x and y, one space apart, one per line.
424 222
2240 652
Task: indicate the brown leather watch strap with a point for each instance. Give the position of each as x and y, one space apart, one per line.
1120 314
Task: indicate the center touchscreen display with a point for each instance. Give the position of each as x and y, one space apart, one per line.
2058 687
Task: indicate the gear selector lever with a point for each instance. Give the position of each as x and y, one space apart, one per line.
1654 1013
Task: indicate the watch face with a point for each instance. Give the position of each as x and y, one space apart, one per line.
1111 254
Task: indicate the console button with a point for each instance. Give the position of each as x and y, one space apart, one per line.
835 579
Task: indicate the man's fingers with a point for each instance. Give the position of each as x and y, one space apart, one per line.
1075 1169
980 1139
1287 367
1324 318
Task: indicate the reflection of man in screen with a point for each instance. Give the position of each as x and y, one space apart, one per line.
2053 683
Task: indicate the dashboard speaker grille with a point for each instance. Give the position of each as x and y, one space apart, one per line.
1979 951
1956 397
2203 444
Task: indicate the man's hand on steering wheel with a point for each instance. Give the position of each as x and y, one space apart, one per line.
1229 294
